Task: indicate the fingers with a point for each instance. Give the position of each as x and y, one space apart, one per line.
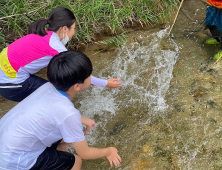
115 79
113 84
114 158
118 157
111 163
88 128
86 132
117 84
116 162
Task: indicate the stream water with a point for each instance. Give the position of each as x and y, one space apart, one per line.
167 115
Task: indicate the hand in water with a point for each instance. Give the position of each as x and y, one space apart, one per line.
88 123
113 156
113 84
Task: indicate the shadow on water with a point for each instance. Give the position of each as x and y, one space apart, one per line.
167 113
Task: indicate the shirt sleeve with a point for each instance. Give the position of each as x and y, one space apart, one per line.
98 82
71 129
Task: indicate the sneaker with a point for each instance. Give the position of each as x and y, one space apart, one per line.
217 56
212 41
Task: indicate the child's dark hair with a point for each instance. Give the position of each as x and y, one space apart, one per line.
68 68
58 17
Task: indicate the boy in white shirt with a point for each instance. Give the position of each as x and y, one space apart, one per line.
31 132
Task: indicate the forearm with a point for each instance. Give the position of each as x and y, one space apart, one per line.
84 120
95 153
86 152
98 82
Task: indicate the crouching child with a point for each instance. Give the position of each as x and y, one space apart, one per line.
35 133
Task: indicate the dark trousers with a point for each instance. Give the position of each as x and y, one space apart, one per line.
19 93
216 33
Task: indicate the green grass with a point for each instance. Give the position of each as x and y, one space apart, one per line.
93 16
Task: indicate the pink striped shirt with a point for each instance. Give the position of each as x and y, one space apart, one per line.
30 54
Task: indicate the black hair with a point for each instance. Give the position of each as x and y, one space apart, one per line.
58 17
68 68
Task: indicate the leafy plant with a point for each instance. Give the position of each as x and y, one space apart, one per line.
115 41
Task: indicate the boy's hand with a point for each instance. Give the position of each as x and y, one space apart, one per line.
113 156
88 123
111 83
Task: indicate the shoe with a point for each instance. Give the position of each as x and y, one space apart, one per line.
211 41
217 56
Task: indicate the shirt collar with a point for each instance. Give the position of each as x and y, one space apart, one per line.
63 93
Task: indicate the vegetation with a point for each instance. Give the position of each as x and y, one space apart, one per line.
93 16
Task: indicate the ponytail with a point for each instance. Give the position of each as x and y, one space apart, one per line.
38 27
58 17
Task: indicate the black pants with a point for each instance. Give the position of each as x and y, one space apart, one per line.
19 93
52 159
216 33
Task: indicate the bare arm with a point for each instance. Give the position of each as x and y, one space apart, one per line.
86 152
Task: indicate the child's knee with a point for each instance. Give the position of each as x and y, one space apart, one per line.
78 163
78 159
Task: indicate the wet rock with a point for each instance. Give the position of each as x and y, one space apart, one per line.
179 108
199 92
145 162
201 86
104 50
117 128
162 26
148 150
205 78
201 36
215 99
174 163
211 104
215 67
135 39
216 155
167 47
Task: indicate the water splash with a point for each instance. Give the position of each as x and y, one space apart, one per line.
145 69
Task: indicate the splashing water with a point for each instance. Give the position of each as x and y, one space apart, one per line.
145 71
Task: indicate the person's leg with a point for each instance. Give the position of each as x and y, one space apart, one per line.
52 159
62 146
17 94
216 33
78 163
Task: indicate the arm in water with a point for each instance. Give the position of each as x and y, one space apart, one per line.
110 83
86 152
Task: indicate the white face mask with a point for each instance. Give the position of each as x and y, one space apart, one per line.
65 40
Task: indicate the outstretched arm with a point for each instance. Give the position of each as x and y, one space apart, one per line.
110 83
86 152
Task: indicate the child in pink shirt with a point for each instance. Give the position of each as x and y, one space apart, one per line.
29 54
